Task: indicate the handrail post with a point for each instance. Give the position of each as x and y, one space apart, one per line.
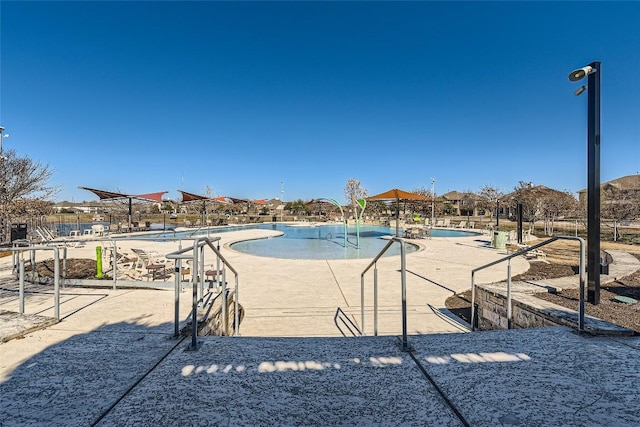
362 303
473 301
194 262
582 287
236 324
201 275
15 257
509 309
176 298
21 273
403 275
218 267
374 264
375 300
32 259
194 318
225 326
56 283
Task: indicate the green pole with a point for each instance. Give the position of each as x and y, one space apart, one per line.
99 274
363 204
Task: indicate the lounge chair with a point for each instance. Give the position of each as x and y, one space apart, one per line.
447 223
472 225
97 230
150 261
440 223
463 224
536 255
113 254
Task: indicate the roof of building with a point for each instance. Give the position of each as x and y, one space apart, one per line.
629 182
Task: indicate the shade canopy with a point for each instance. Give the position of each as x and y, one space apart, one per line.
110 195
190 197
397 195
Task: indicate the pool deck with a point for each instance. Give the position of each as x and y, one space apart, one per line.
112 359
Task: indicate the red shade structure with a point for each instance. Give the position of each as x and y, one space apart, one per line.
190 197
396 195
110 195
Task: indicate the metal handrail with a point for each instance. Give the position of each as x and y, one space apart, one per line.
56 274
403 279
195 253
524 251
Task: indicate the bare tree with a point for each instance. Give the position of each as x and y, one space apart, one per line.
468 203
553 205
488 197
619 205
353 191
23 182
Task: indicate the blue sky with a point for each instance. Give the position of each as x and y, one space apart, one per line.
139 97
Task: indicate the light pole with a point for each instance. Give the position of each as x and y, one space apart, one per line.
433 198
497 213
282 201
593 72
1 137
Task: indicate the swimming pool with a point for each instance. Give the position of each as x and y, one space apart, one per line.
322 242
312 240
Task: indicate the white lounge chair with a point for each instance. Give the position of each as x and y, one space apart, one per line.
151 261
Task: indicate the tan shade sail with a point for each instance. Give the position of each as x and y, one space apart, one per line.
397 195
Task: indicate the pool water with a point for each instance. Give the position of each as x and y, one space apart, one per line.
322 242
315 241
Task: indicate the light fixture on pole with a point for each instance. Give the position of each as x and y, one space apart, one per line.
433 198
593 73
282 201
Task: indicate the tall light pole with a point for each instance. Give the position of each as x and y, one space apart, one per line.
2 136
282 201
433 199
593 72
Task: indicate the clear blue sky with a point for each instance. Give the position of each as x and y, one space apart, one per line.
139 97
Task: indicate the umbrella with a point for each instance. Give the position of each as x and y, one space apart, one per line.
397 195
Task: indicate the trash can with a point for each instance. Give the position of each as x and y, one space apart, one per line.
18 231
499 240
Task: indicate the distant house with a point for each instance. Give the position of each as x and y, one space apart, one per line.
620 198
629 184
534 194
71 207
460 204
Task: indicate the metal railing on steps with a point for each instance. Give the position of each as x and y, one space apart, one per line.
523 252
403 284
